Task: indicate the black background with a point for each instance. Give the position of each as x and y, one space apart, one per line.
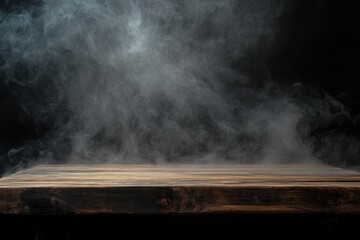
317 44
218 226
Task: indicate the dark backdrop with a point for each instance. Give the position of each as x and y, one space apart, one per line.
317 44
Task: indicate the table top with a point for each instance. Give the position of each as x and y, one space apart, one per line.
116 175
180 189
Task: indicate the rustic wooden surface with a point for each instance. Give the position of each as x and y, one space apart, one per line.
180 189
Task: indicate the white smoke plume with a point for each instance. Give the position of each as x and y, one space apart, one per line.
153 81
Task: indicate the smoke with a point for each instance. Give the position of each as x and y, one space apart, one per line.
156 81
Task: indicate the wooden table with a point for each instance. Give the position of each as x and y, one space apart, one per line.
180 189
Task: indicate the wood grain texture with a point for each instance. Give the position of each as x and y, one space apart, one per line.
180 189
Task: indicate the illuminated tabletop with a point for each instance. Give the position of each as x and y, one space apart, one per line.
180 189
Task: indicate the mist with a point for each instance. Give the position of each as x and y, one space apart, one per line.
159 81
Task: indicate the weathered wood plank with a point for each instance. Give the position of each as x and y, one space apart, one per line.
180 189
